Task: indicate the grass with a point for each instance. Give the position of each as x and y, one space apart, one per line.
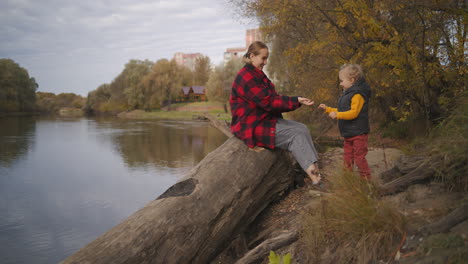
449 139
353 223
182 115
195 104
178 115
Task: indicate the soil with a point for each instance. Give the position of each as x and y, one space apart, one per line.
422 204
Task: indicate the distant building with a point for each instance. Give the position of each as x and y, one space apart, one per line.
231 53
251 35
193 93
187 60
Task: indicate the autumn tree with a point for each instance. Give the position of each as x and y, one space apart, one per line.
124 92
186 75
202 70
413 52
220 82
52 103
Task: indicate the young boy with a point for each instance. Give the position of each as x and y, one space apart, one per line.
353 117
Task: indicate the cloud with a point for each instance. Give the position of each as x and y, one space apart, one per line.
64 44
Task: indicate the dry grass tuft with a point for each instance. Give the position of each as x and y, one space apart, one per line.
450 140
353 223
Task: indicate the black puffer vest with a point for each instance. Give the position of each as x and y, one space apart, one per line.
359 125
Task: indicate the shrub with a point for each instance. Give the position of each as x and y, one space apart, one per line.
353 222
278 259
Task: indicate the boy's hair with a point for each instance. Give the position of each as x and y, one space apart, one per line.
254 48
352 71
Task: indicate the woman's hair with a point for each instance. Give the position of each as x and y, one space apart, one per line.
351 71
254 49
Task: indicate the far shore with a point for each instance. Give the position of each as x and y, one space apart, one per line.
185 111
3 114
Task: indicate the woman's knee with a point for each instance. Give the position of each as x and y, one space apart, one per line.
301 129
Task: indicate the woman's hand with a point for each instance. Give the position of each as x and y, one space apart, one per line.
305 101
332 115
323 106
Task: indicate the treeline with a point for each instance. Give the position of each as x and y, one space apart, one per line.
413 52
17 88
18 93
141 85
50 103
146 85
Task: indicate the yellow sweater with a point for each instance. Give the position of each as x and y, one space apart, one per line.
356 106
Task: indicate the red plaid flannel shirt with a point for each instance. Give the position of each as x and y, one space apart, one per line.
255 107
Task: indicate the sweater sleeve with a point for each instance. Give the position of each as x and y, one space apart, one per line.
331 109
266 97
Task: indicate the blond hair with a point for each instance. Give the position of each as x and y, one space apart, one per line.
352 71
254 49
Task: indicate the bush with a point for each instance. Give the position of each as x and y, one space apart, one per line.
353 223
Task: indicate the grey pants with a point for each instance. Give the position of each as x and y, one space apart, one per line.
295 137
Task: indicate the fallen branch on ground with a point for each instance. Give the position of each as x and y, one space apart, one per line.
261 251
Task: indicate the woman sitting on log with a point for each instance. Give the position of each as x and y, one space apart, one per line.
256 113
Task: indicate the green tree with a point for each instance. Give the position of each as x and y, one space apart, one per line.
163 84
97 100
17 88
132 75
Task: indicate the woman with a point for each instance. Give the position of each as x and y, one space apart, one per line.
256 113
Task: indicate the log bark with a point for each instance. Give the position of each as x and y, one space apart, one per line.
404 165
421 173
445 224
220 125
261 251
197 217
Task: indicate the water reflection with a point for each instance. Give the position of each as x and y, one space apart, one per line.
16 134
63 182
172 144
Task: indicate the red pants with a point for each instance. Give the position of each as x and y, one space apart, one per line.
355 151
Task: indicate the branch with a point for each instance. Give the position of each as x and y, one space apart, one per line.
257 254
222 126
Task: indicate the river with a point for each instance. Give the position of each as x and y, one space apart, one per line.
65 181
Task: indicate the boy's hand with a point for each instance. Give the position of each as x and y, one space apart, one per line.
332 115
305 101
323 106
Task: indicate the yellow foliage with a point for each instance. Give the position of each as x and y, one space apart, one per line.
397 42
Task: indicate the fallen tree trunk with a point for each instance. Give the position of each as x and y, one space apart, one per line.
445 224
197 217
424 171
220 125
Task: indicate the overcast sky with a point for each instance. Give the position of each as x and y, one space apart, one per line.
75 46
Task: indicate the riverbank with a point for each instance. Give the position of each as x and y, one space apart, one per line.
3 114
419 206
183 111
